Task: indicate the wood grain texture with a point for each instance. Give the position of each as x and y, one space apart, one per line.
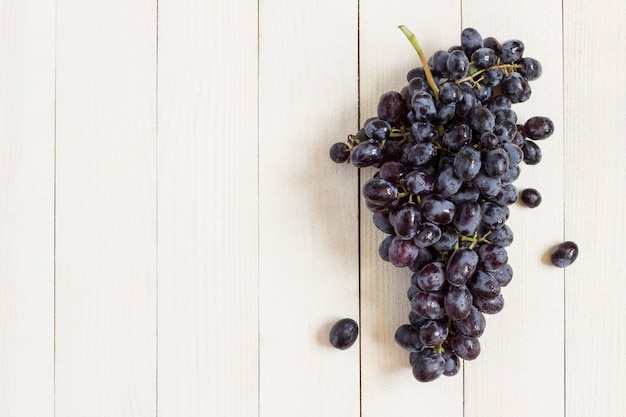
27 208
174 240
208 209
595 176
308 216
106 209
386 57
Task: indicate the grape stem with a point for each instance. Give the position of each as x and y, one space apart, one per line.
506 67
416 45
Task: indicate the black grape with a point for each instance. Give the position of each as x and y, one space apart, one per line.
344 333
564 254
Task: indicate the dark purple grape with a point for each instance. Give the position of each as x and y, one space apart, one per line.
344 333
380 191
511 51
518 140
383 248
532 152
419 183
511 175
493 215
467 192
392 171
414 73
503 275
438 63
516 88
515 153
428 305
407 337
457 65
391 152
424 256
418 85
502 236
493 77
421 153
437 209
461 266
471 40
538 128
492 43
473 325
483 94
564 254
413 289
531 68
423 106
484 58
493 306
499 103
467 163
481 119
445 113
431 277
467 348
405 220
339 152
448 240
506 196
402 252
450 93
468 217
428 366
381 221
424 132
492 257
505 114
366 153
469 101
530 197
391 107
456 137
448 183
416 320
496 162
484 285
487 186
457 302
489 140
427 234
433 332
452 362
377 129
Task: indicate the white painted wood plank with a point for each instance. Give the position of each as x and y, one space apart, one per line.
595 176
385 58
106 209
308 215
27 208
523 344
208 209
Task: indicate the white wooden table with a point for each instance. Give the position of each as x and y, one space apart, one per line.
174 240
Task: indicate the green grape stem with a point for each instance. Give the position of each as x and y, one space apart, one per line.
429 76
505 67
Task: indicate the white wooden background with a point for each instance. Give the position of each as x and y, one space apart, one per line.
174 240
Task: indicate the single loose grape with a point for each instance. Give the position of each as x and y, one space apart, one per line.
564 254
530 197
339 152
344 333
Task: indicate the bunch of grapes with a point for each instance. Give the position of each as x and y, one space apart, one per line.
448 148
